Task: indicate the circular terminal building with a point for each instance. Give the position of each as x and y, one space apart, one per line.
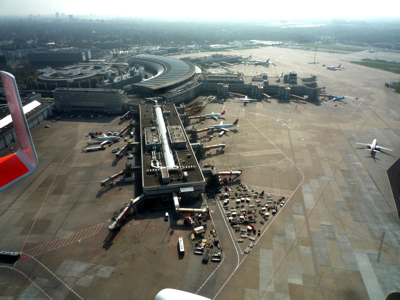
87 75
173 79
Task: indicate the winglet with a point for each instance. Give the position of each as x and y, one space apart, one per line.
24 162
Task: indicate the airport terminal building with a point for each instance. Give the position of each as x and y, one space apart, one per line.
168 162
173 79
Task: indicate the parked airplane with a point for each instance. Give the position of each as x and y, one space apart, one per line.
334 98
216 115
246 57
374 147
333 68
261 62
106 139
222 128
245 99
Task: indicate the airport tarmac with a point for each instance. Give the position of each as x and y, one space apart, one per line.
322 244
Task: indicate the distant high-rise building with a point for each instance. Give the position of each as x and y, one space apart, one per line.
71 17
57 14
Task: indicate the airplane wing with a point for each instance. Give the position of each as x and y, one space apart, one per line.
369 145
215 118
222 122
104 135
103 143
224 129
383 148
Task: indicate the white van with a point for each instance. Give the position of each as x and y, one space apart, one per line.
166 216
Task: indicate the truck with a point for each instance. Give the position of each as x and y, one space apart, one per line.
199 230
206 255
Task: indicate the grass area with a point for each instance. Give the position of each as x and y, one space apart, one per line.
244 48
223 50
329 47
380 64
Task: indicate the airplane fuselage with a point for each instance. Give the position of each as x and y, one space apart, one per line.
373 146
223 126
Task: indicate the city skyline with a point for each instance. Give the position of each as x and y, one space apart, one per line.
179 9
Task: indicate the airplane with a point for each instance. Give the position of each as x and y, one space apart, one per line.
374 147
334 98
245 99
223 127
260 62
216 115
333 68
106 139
246 57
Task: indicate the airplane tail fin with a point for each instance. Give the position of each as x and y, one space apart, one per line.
340 65
223 112
267 60
91 134
236 122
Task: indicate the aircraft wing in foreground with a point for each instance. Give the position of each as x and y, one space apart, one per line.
24 162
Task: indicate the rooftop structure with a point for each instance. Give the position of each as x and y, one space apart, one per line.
168 162
87 75
168 73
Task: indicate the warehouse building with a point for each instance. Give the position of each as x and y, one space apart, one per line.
99 100
58 57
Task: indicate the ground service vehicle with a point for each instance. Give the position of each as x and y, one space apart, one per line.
181 245
206 255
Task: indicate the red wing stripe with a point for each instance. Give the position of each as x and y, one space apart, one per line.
11 168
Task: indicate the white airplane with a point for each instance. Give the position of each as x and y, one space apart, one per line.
333 68
246 57
261 62
216 115
106 139
245 99
222 127
374 147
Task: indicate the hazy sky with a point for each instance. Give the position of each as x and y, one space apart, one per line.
257 9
